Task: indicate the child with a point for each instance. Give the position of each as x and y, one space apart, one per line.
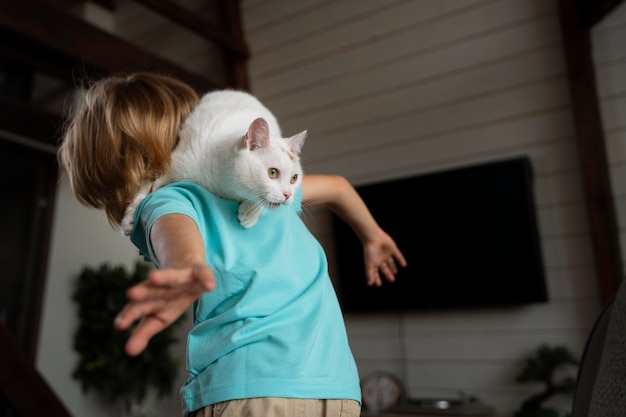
268 335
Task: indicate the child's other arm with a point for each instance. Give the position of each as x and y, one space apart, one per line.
380 250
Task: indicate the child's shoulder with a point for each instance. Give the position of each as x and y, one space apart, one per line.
187 191
179 197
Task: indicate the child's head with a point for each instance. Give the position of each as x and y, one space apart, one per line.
121 136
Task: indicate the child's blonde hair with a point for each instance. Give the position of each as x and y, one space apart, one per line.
121 136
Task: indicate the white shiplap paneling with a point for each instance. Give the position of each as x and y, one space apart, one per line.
389 89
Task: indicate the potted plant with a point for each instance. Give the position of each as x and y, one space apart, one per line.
541 367
103 366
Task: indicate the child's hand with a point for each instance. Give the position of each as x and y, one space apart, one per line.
382 256
159 300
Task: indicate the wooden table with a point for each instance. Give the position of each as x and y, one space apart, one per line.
469 409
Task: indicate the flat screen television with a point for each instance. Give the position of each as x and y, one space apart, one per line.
469 235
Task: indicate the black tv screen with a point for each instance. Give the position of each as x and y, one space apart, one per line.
469 235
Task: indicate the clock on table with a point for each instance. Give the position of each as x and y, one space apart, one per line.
381 390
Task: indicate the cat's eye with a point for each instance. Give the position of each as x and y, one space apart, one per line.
294 179
272 173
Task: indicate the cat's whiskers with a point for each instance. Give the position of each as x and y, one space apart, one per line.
260 204
270 202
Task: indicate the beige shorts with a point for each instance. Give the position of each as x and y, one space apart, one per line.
280 407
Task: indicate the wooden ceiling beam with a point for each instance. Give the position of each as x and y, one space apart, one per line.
24 119
591 148
29 394
107 4
593 11
230 16
85 45
172 11
34 55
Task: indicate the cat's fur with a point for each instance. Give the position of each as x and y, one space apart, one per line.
232 145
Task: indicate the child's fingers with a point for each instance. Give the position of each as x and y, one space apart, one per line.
134 311
159 300
399 257
389 270
373 276
142 334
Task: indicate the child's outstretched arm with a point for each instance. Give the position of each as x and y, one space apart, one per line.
380 250
168 292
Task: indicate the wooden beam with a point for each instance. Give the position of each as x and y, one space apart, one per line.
24 119
36 56
237 69
591 149
233 43
107 4
87 46
21 384
593 11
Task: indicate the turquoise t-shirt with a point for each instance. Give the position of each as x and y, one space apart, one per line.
272 327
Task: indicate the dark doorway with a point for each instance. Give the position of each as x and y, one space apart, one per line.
28 179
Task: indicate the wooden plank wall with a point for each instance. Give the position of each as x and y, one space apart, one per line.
395 88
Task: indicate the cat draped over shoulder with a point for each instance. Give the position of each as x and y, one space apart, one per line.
232 145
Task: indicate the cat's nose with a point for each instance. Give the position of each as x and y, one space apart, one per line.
287 195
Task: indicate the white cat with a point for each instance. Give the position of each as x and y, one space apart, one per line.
232 145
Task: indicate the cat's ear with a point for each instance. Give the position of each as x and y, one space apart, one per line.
296 141
258 135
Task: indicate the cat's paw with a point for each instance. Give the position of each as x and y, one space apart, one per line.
249 213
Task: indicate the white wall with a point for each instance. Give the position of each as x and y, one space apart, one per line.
388 89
